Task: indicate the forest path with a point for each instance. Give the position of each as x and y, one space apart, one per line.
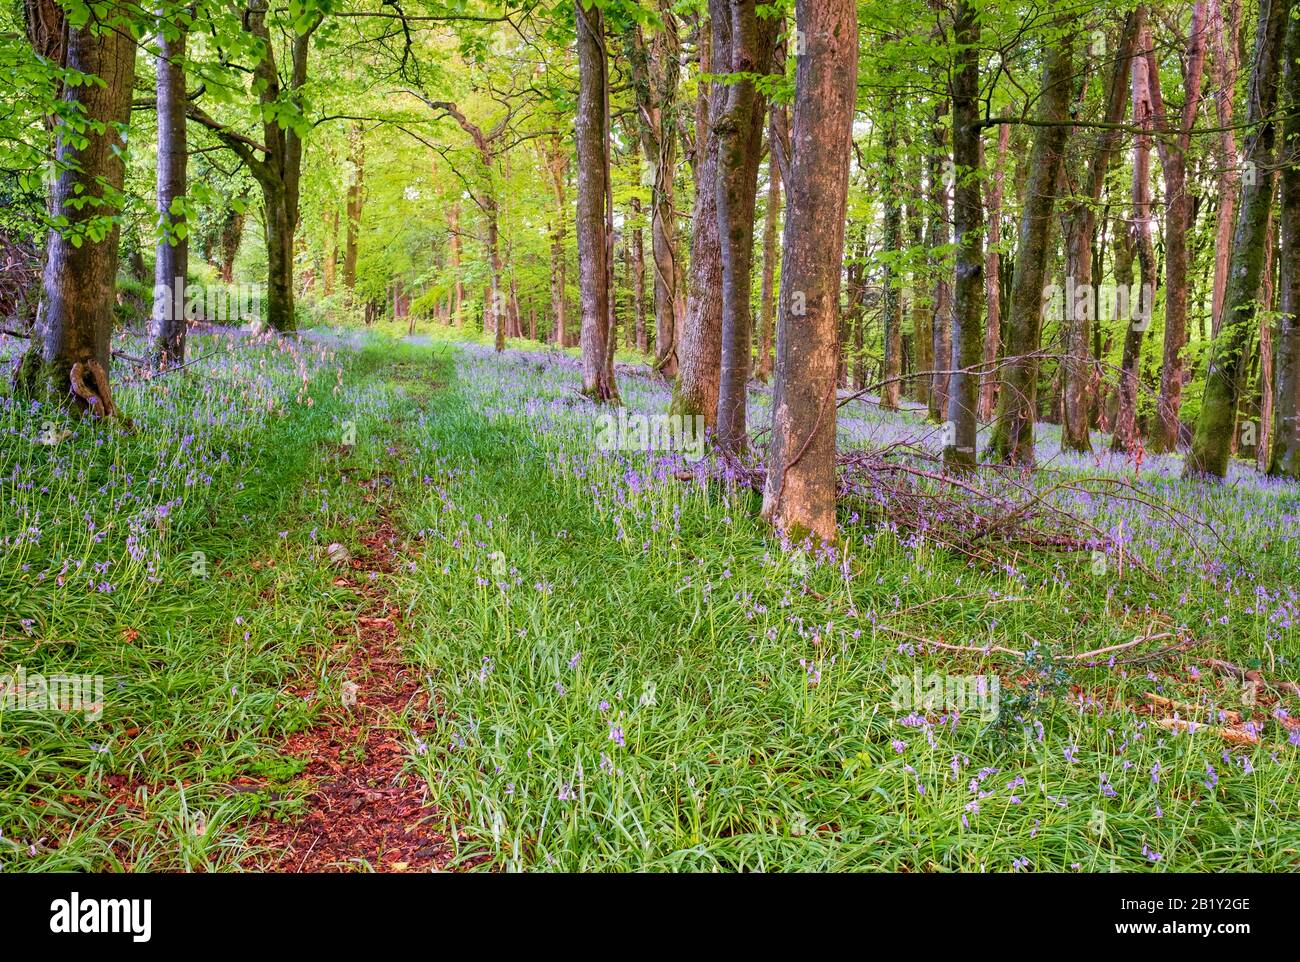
365 810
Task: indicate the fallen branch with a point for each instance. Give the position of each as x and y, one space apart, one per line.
1235 736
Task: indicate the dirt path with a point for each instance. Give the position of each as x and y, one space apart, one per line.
365 810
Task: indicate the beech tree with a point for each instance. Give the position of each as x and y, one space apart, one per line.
1173 141
1217 422
744 46
1013 430
69 357
799 494
968 223
594 206
1284 460
699 342
168 321
653 59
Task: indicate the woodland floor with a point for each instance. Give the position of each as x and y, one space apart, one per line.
367 603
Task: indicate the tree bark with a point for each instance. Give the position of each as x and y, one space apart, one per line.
799 494
453 259
920 301
167 322
1013 432
767 295
1212 441
1173 149
1223 71
1125 436
69 357
636 262
1080 228
655 73
329 257
699 342
592 127
993 280
939 176
355 199
893 285
232 232
739 129
1284 458
968 222
557 165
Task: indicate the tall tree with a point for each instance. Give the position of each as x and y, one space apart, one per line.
1284 459
968 222
993 279
356 192
799 495
1013 432
699 342
68 359
557 167
767 286
278 171
594 272
1212 441
656 71
893 286
1080 217
167 321
1138 239
1224 65
1173 142
750 45
939 176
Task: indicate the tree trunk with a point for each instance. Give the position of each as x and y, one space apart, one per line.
69 356
1013 432
557 164
1080 228
1214 428
1284 460
636 262
167 321
699 342
939 176
492 245
279 231
592 128
1223 71
767 296
922 337
356 196
893 286
232 232
968 221
993 280
655 73
453 262
739 128
1173 150
799 495
329 257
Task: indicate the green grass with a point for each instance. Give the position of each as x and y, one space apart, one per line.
197 658
753 695
630 673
